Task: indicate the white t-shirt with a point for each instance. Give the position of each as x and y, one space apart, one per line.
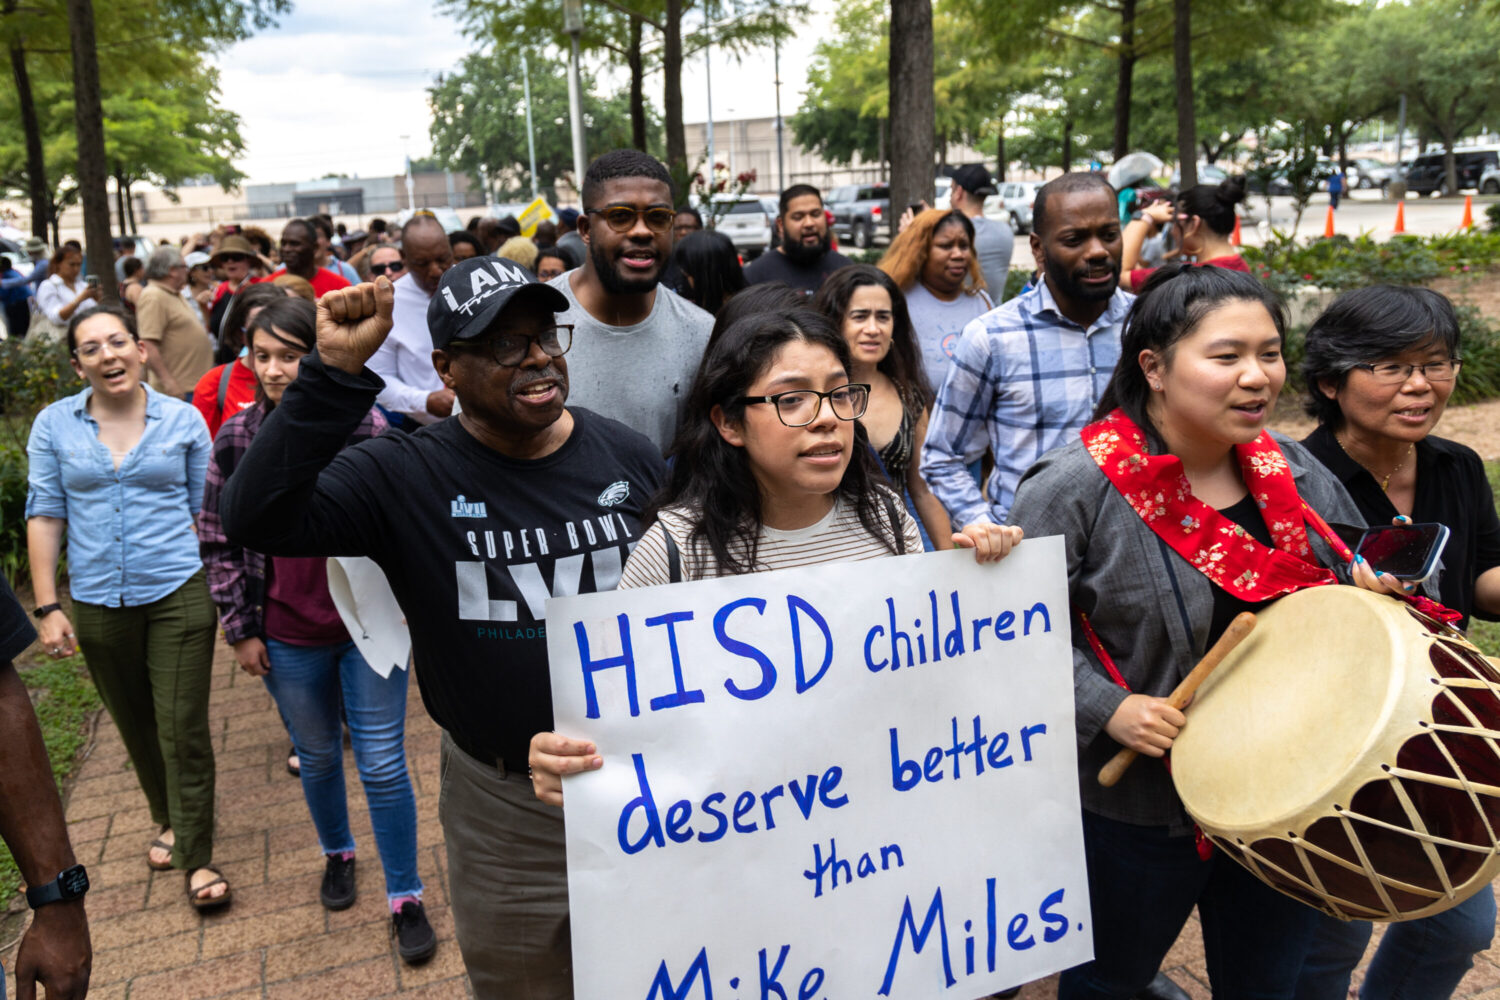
838 537
938 324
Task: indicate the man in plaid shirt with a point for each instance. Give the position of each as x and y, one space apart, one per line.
1027 375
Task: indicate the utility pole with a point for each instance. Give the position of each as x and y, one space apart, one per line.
411 185
776 75
573 25
708 77
530 136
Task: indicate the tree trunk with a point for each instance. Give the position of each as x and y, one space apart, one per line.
1182 72
637 88
88 116
671 64
36 165
120 196
885 160
1067 146
1126 80
913 110
1450 166
1000 153
130 211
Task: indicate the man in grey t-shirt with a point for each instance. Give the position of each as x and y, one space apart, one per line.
993 241
636 346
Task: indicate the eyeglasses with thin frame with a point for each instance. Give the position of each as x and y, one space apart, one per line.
393 267
621 218
800 407
510 349
119 343
1395 372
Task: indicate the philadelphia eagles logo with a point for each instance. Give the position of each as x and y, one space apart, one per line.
614 493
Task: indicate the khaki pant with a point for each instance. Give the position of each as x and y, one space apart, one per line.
153 666
507 881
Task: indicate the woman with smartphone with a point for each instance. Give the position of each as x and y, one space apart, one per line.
64 293
1199 221
1381 363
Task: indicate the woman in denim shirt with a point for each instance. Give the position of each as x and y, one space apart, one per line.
121 468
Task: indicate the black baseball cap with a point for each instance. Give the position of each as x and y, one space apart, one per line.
472 293
975 179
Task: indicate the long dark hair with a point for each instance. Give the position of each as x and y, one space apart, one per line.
1371 324
711 478
1171 305
232 332
900 364
709 258
291 321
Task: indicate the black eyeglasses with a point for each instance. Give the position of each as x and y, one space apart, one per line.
394 267
510 349
1395 373
800 407
621 218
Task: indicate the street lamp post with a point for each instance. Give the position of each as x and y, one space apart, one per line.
573 25
530 136
411 186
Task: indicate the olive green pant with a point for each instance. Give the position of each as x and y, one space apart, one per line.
153 666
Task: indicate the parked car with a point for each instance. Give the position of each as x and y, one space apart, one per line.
748 222
1427 175
1367 173
860 212
1490 182
1207 174
1012 202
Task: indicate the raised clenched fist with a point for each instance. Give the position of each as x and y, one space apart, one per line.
353 323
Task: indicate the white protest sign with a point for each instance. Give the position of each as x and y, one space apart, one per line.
854 780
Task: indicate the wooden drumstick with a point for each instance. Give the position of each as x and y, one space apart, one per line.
1242 625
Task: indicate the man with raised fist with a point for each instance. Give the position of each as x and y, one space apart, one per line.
476 521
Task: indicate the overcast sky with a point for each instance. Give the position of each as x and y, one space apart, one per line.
335 87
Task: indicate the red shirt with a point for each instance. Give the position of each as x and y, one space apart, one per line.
1233 262
299 609
323 280
240 395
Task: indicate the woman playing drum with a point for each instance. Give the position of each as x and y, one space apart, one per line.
1381 363
1179 511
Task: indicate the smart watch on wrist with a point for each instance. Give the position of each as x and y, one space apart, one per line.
46 609
69 885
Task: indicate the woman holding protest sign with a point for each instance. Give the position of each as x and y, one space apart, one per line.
771 470
1177 461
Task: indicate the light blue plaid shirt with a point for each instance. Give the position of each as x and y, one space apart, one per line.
1024 379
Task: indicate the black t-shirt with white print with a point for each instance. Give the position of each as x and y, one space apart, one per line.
473 542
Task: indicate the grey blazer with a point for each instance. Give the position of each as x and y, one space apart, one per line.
1150 608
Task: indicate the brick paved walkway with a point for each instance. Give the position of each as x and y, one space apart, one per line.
276 942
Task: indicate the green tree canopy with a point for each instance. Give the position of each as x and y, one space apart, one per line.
479 120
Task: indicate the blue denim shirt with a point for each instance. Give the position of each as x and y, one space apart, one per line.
130 531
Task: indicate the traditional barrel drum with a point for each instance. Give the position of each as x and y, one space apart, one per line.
1346 754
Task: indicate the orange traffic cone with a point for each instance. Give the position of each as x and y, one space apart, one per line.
1468 219
1234 238
1328 226
1400 226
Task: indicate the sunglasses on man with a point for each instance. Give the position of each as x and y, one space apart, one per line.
393 268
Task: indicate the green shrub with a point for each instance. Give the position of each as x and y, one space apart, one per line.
1493 214
1479 346
1343 262
32 375
1015 280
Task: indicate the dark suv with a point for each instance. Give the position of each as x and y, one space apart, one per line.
1427 176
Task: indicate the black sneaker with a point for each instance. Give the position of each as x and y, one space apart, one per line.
415 940
338 883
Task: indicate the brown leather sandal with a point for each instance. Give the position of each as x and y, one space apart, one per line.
157 866
196 897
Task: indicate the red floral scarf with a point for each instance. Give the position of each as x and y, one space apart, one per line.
1155 486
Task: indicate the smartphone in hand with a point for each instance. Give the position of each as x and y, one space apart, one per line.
1409 552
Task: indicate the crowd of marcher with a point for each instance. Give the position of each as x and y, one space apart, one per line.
616 401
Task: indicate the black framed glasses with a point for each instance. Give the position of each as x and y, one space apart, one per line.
510 349
1395 372
621 218
393 267
800 407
